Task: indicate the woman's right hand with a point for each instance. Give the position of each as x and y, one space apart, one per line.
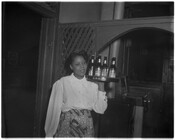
100 86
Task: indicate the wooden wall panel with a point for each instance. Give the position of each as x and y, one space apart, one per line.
45 70
110 31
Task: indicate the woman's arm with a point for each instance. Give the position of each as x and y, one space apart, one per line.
100 99
54 109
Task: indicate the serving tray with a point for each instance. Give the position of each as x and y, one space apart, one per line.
96 79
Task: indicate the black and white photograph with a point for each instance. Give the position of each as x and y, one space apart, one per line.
87 69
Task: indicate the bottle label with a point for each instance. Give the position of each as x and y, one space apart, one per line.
112 73
98 72
91 72
104 72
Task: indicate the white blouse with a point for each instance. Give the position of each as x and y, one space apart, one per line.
72 93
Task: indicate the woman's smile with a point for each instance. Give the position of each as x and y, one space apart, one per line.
82 71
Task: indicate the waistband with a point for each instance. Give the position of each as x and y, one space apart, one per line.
66 109
78 112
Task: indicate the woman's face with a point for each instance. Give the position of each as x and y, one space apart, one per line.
79 67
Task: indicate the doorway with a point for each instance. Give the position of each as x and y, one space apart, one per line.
20 51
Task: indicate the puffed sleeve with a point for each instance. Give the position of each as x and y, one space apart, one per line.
100 100
54 109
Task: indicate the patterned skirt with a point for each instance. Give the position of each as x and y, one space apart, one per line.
75 123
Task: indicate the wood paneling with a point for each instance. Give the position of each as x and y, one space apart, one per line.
45 70
107 32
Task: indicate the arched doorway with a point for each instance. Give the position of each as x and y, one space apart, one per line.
148 51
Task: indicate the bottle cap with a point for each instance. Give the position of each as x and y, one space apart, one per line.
99 56
113 58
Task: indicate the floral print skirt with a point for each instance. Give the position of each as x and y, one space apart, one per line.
75 123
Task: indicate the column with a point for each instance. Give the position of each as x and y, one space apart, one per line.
115 46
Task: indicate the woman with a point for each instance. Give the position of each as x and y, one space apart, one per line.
72 98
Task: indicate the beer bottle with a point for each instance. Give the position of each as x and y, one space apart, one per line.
112 69
91 67
98 68
104 72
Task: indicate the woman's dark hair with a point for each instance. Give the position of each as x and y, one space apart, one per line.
71 58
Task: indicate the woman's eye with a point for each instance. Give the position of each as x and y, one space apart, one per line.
83 64
77 64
